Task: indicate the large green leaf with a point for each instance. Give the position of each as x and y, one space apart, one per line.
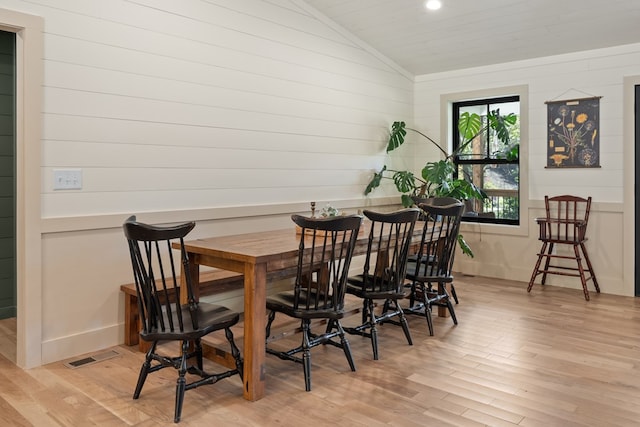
464 246
437 172
396 137
375 181
463 190
405 181
501 124
512 152
407 201
469 125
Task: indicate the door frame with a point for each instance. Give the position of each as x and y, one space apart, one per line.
28 88
629 177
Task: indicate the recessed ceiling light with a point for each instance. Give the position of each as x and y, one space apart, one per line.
433 4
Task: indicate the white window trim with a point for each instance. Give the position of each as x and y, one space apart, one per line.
446 119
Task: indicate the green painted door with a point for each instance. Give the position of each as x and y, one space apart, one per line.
7 176
637 187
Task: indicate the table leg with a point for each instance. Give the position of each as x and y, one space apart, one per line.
131 320
194 272
255 294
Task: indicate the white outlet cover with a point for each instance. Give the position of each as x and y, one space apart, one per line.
67 179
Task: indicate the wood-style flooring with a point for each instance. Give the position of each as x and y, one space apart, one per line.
548 358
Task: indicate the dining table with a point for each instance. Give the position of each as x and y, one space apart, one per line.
261 257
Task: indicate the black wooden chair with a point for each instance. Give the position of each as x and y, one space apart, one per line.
434 261
565 223
324 255
164 318
385 268
438 201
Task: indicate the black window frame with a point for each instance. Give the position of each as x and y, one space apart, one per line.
456 106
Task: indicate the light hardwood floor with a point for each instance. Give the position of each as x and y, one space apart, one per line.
548 358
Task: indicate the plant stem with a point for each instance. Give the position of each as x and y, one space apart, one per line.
434 143
414 176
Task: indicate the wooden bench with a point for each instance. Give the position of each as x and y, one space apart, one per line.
211 282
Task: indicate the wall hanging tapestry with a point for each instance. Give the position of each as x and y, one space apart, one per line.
573 133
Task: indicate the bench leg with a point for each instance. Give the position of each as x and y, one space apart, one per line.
131 320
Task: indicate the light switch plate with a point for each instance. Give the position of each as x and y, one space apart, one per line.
67 179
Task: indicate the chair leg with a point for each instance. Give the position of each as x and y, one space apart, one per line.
593 274
198 351
181 381
404 323
383 313
306 354
331 324
546 264
365 311
373 329
392 304
272 315
453 293
583 279
235 351
427 314
452 312
144 370
386 306
537 267
412 294
427 308
345 346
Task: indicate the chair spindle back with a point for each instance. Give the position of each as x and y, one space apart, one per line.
567 218
388 248
324 256
439 239
157 276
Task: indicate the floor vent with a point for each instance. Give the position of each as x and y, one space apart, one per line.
89 360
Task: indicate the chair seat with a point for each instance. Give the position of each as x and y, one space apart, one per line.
430 279
413 258
355 287
284 303
421 272
431 261
212 317
566 240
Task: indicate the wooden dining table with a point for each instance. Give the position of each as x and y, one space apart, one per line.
261 257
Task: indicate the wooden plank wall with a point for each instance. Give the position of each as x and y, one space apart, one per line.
7 176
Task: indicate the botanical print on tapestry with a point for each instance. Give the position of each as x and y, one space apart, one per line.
573 133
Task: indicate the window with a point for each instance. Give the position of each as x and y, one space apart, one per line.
489 163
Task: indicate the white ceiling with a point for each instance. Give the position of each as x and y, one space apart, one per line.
470 33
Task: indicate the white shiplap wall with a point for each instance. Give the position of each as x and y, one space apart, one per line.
234 113
170 105
501 252
202 107
578 75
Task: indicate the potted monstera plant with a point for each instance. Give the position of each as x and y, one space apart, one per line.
438 178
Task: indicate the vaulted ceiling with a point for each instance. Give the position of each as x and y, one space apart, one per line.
470 33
